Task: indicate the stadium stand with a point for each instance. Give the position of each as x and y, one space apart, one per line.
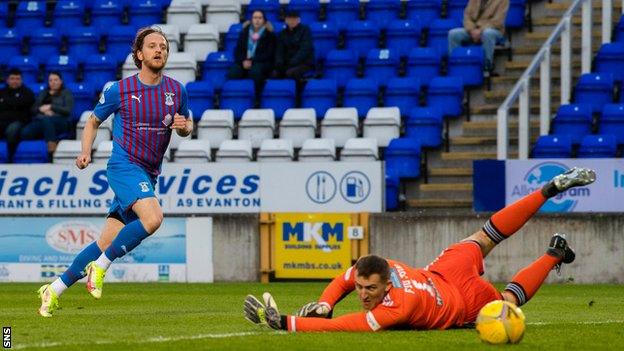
424 63
308 10
425 124
381 65
223 13
318 150
184 14
68 14
256 125
574 120
340 65
342 12
595 89
193 151
271 9
278 95
339 125
238 96
382 124
320 94
216 126
234 151
44 42
276 150
403 35
612 121
552 146
361 93
361 37
31 151
402 92
598 146
403 157
200 97
67 151
383 12
103 152
298 125
215 68
201 40
360 150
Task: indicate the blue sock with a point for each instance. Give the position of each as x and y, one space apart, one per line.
75 272
128 238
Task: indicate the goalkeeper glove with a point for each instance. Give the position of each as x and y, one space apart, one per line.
314 309
258 313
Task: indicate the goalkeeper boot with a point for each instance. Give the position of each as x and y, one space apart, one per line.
559 248
49 300
570 178
95 279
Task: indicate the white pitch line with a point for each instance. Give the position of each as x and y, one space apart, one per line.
156 339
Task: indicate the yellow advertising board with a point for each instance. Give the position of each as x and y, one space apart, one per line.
311 245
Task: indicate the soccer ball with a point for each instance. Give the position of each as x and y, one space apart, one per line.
500 322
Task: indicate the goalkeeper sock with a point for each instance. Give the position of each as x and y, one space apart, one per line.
525 283
76 271
58 286
510 219
129 237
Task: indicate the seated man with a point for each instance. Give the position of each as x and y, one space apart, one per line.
255 51
295 52
16 100
449 292
484 22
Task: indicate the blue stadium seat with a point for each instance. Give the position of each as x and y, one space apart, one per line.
610 59
447 93
82 42
84 98
515 14
619 30
65 65
30 15
4 13
143 13
595 89
552 146
455 9
29 67
10 45
425 11
325 38
238 96
200 97
44 42
403 35
403 157
383 12
343 12
99 69
271 9
31 151
361 37
467 62
612 121
320 94
341 65
403 92
278 95
574 120
215 68
231 37
107 13
424 63
4 152
438 34
361 93
425 124
598 146
119 41
392 189
308 9
68 14
381 65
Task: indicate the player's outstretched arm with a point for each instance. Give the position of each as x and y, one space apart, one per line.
88 136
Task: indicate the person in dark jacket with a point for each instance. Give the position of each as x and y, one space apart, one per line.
295 51
16 101
255 51
52 109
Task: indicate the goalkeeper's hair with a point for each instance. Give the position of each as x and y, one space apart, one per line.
373 264
137 44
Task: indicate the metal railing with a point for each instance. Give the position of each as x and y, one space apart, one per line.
521 91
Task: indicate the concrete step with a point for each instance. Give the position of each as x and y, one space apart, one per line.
472 140
439 203
491 108
488 128
498 96
533 49
513 78
564 5
450 172
431 187
522 64
541 36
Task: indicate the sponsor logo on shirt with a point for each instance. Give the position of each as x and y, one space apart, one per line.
144 187
372 322
169 98
167 120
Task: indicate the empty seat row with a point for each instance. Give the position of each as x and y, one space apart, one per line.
561 146
577 121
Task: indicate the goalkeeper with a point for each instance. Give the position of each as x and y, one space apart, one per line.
449 292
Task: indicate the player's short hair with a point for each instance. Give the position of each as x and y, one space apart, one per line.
371 264
15 72
137 44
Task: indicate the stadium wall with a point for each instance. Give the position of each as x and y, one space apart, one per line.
418 237
236 247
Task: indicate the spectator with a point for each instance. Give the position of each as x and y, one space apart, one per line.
52 109
484 22
295 52
255 51
16 101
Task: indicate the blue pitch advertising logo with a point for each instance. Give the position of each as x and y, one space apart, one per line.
541 174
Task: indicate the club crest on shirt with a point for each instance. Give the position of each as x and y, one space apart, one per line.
169 98
167 120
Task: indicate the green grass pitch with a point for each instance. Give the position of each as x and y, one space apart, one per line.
209 316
